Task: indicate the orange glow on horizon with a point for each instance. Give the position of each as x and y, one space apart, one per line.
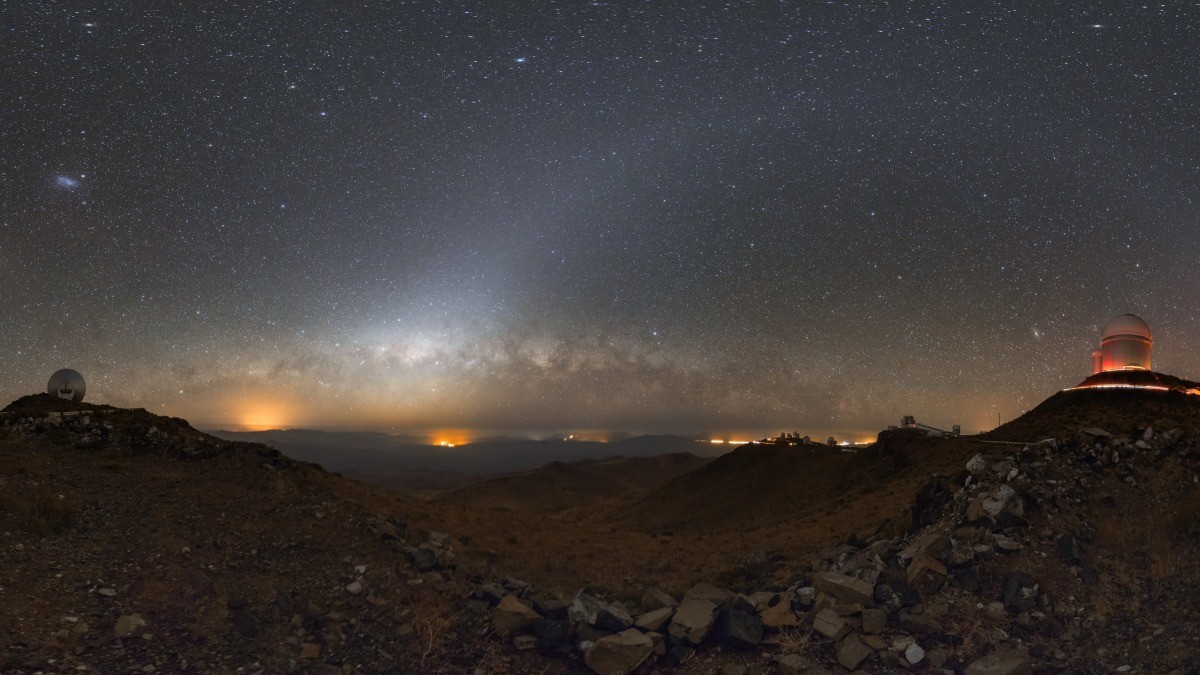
264 415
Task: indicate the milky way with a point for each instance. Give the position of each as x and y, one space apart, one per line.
649 217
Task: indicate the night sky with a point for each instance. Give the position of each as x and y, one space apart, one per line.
639 216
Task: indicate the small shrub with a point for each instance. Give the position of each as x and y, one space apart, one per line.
50 513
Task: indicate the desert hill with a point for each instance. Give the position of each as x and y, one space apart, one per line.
560 486
1068 411
134 543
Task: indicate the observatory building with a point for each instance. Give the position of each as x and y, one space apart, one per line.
1124 345
1123 360
67 384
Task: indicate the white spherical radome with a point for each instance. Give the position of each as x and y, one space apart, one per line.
1126 324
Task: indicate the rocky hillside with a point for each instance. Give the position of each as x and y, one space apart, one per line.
1107 408
1074 554
131 542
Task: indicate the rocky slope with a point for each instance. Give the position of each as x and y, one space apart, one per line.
130 542
1073 554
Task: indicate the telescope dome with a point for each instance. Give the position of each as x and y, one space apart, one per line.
1126 324
67 384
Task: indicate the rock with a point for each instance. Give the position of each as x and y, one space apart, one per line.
874 620
851 651
654 598
977 464
806 596
619 654
795 664
491 593
107 592
914 654
779 615
551 608
692 621
655 620
926 574
1098 434
1002 662
354 587
876 642
512 616
739 629
524 643
1069 549
995 612
706 591
919 624
829 624
846 589
1007 545
129 625
552 635
244 622
586 608
310 650
1020 593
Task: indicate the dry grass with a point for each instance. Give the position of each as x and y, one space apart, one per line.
797 641
50 513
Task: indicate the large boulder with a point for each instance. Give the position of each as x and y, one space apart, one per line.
926 574
512 616
619 654
692 621
846 589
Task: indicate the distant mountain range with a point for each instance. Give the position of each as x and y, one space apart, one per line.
411 463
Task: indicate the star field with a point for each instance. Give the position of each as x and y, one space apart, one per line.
670 216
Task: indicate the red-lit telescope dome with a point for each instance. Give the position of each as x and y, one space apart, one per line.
1124 345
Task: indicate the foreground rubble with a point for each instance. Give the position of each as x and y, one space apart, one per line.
1001 574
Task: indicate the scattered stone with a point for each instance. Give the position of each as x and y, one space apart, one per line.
654 598
310 650
524 643
919 624
739 629
874 620
619 654
354 587
779 615
1002 662
977 464
512 616
693 620
705 591
914 654
851 651
846 589
828 623
129 625
552 635
586 608
655 620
